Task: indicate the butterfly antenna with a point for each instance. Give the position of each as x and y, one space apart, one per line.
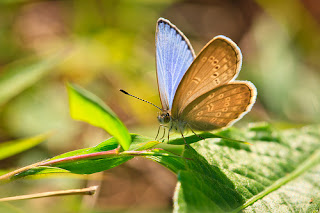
121 90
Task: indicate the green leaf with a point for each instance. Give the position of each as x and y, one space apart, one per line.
11 148
20 75
106 155
43 170
87 161
175 164
279 172
87 107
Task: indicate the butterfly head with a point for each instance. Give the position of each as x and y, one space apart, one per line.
164 117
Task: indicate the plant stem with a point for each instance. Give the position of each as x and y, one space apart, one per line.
85 191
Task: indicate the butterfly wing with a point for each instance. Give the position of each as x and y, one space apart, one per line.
218 63
174 54
220 107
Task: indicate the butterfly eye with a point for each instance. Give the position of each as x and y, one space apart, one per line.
166 118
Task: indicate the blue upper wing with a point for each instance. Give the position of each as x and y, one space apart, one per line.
174 55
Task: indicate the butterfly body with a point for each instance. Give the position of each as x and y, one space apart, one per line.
175 124
200 92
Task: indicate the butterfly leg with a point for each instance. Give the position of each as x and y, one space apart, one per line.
184 139
157 133
164 132
169 132
195 133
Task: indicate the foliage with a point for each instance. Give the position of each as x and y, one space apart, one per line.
279 170
110 45
86 107
21 75
10 148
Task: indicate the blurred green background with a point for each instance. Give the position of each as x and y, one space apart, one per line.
107 45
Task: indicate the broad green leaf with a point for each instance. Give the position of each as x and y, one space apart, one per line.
279 172
87 107
11 148
20 75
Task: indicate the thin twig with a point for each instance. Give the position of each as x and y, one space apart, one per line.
85 191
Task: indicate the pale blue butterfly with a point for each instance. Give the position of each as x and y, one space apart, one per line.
199 93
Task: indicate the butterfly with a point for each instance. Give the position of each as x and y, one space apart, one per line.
199 92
